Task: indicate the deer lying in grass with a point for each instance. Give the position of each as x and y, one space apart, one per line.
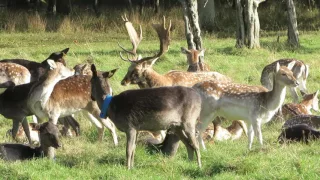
310 101
14 73
21 136
175 108
311 120
193 59
48 133
298 132
219 133
300 72
238 101
13 101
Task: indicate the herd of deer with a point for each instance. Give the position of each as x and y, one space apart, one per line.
179 102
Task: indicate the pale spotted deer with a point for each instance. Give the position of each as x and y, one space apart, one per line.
152 109
15 73
219 133
310 101
193 59
238 101
300 71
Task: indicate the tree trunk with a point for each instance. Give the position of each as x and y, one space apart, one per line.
240 34
293 34
206 14
157 6
248 24
52 7
96 7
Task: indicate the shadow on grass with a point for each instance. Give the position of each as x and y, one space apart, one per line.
211 171
112 160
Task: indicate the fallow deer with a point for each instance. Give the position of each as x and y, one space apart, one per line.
140 70
37 70
289 110
238 101
82 69
49 137
13 101
298 132
300 71
311 120
219 133
193 59
152 109
15 73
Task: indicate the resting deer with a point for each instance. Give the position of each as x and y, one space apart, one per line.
300 72
233 132
141 72
238 101
152 109
310 101
311 120
193 59
15 73
298 132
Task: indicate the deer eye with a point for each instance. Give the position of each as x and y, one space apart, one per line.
283 74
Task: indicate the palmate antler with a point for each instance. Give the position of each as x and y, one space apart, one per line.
163 35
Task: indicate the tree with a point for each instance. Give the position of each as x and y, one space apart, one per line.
293 34
248 24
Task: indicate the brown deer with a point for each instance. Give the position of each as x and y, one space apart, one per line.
141 72
193 59
152 109
15 73
300 71
13 101
219 133
238 101
310 101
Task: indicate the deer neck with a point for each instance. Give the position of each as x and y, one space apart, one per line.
43 89
276 96
155 79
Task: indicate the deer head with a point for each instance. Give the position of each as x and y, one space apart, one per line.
100 86
193 55
138 64
311 98
83 69
49 134
58 56
285 76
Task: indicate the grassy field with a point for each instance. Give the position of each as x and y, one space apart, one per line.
85 158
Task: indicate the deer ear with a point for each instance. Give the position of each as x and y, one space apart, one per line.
94 70
291 64
51 64
109 74
303 93
316 93
184 50
277 67
65 51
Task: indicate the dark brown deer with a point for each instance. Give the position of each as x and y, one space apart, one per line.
176 108
299 132
141 72
311 120
49 137
238 101
193 59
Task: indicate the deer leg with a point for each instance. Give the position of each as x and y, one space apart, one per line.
111 127
26 129
257 131
203 123
179 132
34 119
15 128
250 135
191 138
97 123
131 143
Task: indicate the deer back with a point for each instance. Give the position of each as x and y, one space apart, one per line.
14 73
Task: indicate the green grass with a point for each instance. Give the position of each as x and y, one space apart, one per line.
85 158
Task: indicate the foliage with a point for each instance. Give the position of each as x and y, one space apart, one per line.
85 158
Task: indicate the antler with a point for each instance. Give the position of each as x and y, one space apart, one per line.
134 38
164 37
